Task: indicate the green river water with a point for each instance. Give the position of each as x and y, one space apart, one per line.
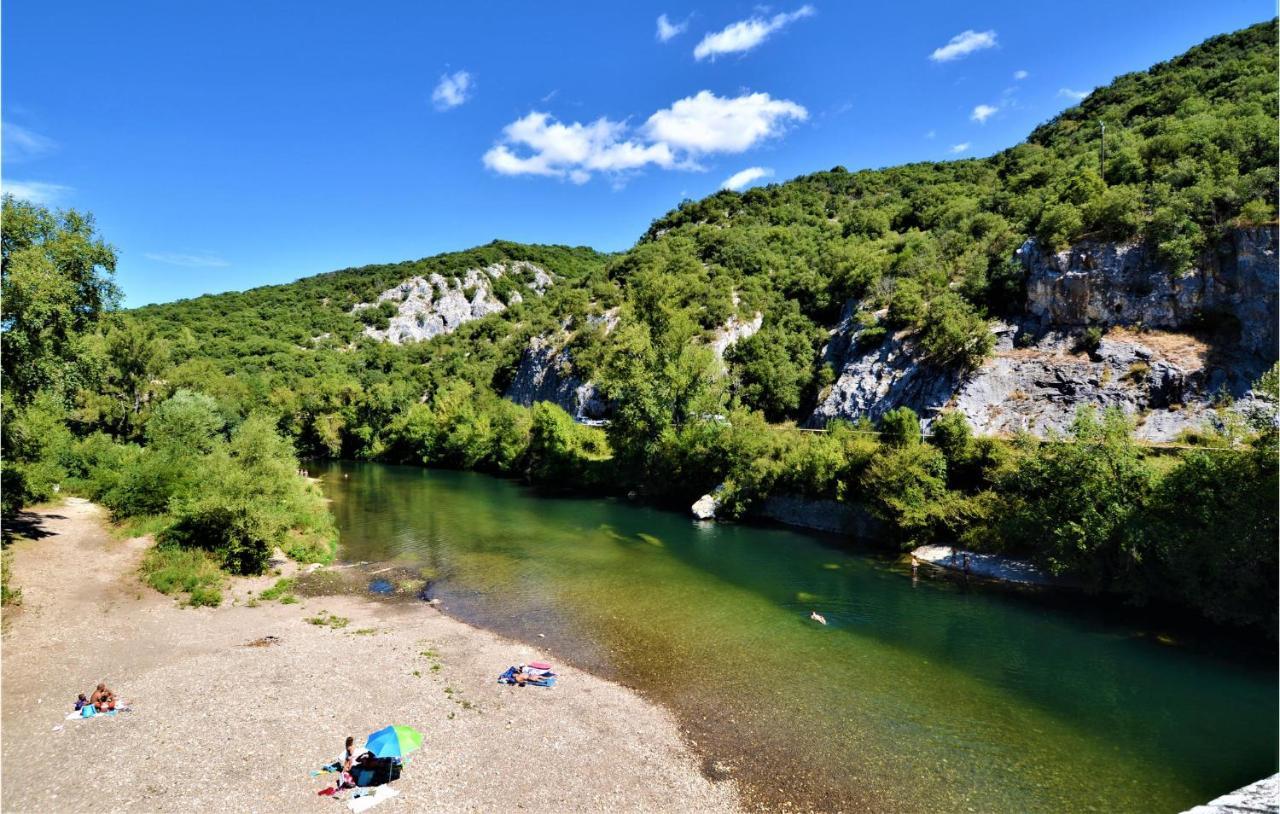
915 697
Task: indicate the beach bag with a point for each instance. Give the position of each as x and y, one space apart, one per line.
375 771
88 711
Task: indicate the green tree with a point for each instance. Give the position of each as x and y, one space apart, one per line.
56 285
1073 501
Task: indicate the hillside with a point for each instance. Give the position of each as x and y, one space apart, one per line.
928 252
1041 294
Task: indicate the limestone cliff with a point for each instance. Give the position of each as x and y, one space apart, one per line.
1158 360
546 371
428 307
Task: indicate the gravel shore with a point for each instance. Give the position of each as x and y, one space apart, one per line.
218 725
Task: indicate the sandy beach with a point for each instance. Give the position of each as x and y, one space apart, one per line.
220 725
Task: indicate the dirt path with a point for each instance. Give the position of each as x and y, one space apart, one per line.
221 726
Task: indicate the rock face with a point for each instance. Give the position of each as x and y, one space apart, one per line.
546 374
822 515
734 331
546 371
1037 377
1118 284
1262 797
428 307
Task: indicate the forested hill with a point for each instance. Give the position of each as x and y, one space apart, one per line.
731 318
1190 152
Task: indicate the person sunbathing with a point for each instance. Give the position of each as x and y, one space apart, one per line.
103 698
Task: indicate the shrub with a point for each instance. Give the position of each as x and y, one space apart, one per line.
900 427
906 485
1256 213
171 569
1072 501
955 335
907 306
1090 340
1059 225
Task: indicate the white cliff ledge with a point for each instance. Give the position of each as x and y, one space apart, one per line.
986 566
1262 797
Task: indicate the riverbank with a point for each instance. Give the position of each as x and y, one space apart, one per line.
218 723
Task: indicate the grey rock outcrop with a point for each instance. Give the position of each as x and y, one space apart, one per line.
1262 797
435 305
734 331
1167 379
831 516
1125 284
888 375
546 373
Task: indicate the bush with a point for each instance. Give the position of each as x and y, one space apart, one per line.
1256 213
171 569
900 427
1072 502
955 335
1059 225
906 485
907 306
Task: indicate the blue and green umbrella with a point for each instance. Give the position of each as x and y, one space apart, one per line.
394 741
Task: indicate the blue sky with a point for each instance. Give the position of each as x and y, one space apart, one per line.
228 145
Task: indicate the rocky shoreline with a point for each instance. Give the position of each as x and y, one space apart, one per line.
220 723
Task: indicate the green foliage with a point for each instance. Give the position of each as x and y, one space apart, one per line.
774 367
246 499
9 594
280 590
906 485
55 284
1072 502
1209 535
560 450
172 569
900 427
186 422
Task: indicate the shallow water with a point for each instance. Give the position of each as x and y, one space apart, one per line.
915 696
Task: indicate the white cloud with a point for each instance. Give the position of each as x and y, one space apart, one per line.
198 261
981 113
668 30
21 144
452 90
570 151
746 34
706 123
931 134
745 178
37 192
960 148
1020 75
1077 95
672 138
963 44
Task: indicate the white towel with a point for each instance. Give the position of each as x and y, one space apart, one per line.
381 793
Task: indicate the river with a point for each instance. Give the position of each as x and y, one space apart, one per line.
916 696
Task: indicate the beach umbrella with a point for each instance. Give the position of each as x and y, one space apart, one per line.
394 741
